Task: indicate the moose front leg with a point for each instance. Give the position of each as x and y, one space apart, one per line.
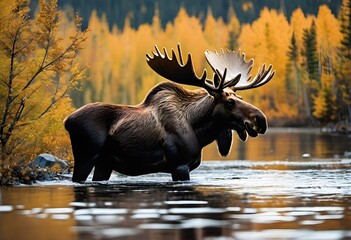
181 173
182 153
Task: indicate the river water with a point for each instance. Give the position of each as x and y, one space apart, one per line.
287 184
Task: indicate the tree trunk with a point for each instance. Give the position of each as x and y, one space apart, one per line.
306 100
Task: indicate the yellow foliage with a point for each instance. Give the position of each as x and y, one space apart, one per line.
298 22
38 68
216 32
118 69
265 40
119 72
328 30
47 134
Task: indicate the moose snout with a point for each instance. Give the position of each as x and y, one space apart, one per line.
256 124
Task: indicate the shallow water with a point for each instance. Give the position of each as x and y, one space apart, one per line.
273 192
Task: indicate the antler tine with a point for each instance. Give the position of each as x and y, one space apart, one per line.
176 70
267 77
262 77
180 54
237 67
158 53
232 82
220 78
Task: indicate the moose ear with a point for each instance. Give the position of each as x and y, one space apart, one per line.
224 142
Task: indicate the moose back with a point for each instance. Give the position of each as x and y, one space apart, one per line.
167 131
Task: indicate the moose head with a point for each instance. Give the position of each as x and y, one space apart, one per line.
231 73
167 131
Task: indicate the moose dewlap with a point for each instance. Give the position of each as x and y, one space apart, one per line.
167 131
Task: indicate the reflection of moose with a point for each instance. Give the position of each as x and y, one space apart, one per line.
166 132
129 201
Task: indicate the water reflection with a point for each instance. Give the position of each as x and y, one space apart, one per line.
285 144
280 195
148 211
36 213
167 211
255 204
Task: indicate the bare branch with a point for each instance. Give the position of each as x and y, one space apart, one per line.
5 137
9 91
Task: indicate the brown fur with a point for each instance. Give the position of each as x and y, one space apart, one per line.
165 133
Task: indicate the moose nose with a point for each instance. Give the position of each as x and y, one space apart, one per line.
261 123
257 123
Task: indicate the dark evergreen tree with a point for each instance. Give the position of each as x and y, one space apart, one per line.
293 69
310 55
325 107
293 49
309 51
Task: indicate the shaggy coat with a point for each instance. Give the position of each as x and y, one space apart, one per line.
165 133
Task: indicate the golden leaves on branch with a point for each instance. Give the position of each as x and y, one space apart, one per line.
40 68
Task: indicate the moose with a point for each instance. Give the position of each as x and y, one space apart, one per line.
167 131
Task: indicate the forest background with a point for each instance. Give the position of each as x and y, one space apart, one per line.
53 61
302 39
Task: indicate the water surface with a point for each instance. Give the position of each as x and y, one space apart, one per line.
272 192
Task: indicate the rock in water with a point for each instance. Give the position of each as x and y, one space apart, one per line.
49 160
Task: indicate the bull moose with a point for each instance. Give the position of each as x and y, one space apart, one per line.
167 131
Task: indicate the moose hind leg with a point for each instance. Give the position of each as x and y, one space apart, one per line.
86 151
82 168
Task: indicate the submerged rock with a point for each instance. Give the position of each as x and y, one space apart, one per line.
48 160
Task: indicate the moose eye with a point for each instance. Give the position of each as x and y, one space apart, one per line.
231 103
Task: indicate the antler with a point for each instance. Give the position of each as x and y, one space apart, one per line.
231 70
179 72
236 64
